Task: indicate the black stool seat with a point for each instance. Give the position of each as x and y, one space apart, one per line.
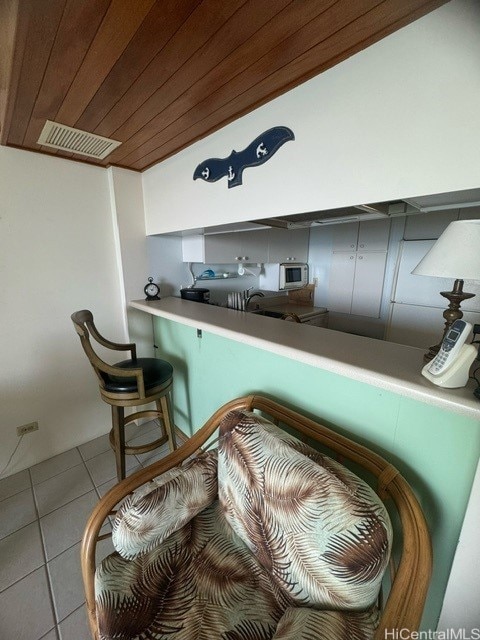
155 373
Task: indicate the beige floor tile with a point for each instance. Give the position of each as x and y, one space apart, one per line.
53 466
14 484
61 489
26 608
64 527
16 512
20 554
66 581
102 468
95 447
75 626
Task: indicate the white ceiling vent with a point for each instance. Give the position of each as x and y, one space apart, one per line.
59 136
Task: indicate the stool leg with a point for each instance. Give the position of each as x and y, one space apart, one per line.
167 415
119 439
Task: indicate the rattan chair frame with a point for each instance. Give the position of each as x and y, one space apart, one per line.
403 605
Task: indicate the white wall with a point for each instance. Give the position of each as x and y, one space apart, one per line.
57 255
398 119
166 264
131 242
461 603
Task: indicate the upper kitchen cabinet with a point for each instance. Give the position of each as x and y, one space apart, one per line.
287 245
370 235
258 246
227 248
240 246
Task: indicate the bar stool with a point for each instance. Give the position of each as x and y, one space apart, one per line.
130 383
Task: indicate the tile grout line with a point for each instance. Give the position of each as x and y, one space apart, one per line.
55 475
65 504
44 553
44 566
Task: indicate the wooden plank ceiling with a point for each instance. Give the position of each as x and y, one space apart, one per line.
159 75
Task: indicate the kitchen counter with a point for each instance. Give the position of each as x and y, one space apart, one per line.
301 310
386 365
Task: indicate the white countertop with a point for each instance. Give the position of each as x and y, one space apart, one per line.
386 365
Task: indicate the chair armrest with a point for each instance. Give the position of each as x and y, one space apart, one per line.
114 346
111 370
164 505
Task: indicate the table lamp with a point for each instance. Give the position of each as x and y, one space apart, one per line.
456 254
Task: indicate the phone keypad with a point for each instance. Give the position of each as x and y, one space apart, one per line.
439 361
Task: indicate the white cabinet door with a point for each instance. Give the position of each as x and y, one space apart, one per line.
222 248
254 245
287 245
368 284
369 235
240 246
373 235
356 283
342 273
345 236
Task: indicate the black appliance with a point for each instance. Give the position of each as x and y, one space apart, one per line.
196 294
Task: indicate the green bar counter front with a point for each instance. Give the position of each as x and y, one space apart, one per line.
435 448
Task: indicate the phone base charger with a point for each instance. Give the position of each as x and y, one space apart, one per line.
457 374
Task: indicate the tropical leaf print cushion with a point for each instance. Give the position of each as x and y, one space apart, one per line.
158 508
311 624
319 530
201 583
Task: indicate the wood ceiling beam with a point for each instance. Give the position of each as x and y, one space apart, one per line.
77 28
164 20
118 27
248 36
161 74
278 64
190 128
182 47
43 21
9 32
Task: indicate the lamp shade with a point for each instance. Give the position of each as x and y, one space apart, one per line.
456 254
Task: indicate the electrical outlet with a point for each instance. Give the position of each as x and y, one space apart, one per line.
27 428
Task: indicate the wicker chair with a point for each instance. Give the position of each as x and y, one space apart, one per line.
407 585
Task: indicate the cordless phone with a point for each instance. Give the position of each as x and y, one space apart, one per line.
451 365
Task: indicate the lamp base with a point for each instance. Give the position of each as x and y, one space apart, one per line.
452 313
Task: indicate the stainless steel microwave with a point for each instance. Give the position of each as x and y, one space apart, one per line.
281 277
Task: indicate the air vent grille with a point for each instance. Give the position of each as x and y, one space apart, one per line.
59 136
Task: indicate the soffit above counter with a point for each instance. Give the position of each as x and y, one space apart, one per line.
374 211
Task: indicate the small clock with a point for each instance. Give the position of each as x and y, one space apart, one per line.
151 290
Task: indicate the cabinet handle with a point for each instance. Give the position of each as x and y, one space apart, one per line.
245 257
360 257
238 258
362 245
352 246
352 257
